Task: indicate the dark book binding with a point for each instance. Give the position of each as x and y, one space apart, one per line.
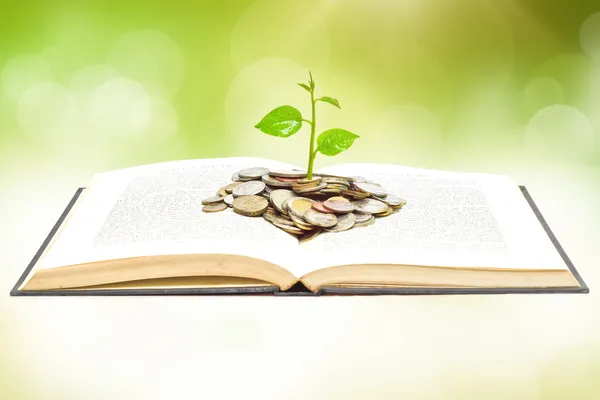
298 289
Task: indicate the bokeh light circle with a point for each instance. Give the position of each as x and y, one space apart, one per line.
47 111
163 121
264 31
85 80
119 106
542 92
590 36
561 133
151 58
23 71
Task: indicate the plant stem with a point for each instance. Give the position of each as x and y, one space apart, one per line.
312 153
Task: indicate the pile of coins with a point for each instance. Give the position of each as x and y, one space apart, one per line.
304 207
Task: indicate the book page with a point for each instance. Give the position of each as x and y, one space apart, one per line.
451 219
157 210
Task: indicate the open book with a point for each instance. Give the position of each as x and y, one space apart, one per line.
141 230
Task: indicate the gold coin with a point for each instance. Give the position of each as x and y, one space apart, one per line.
330 191
310 235
305 181
222 192
298 205
399 206
339 198
229 188
250 206
283 221
356 194
336 186
335 181
215 207
389 211
309 189
348 178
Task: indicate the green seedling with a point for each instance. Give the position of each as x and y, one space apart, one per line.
284 121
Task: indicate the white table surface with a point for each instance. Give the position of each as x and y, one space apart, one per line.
493 346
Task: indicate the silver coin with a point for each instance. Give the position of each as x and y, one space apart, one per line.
268 189
236 178
279 197
288 174
212 200
371 206
323 220
248 188
344 222
359 179
393 200
228 200
253 173
402 204
371 188
368 222
362 217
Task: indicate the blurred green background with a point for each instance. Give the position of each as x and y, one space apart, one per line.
507 86
428 83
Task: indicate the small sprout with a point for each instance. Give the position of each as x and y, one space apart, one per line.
284 121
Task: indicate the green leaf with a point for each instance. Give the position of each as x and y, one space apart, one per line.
333 141
330 100
305 87
283 121
311 81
